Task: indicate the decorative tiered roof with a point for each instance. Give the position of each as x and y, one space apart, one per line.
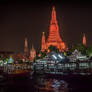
54 38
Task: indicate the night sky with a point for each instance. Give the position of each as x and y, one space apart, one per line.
29 19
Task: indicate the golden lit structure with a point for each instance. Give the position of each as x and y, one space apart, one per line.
43 47
32 54
54 38
26 47
84 39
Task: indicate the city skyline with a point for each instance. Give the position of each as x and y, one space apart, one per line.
30 20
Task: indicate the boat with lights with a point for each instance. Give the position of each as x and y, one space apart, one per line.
17 70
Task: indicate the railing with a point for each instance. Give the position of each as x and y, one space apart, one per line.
71 69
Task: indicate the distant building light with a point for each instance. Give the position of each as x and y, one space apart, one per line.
5 63
80 57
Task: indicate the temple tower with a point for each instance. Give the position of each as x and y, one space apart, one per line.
54 38
32 54
43 47
26 47
84 40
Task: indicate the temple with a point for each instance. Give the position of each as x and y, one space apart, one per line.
43 47
26 47
84 40
54 38
32 54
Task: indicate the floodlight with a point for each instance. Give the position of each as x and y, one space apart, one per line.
54 56
60 56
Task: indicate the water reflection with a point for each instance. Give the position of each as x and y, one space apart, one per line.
36 84
41 83
50 85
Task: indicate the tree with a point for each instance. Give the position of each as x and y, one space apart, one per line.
79 47
41 54
53 48
89 51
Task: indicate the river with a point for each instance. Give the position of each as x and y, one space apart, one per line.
41 83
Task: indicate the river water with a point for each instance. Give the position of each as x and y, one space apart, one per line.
41 83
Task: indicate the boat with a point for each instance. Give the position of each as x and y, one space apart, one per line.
17 73
18 70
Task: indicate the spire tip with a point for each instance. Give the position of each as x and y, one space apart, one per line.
53 7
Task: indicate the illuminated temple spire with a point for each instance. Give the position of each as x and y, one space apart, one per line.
84 39
53 16
32 54
26 47
43 47
54 38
